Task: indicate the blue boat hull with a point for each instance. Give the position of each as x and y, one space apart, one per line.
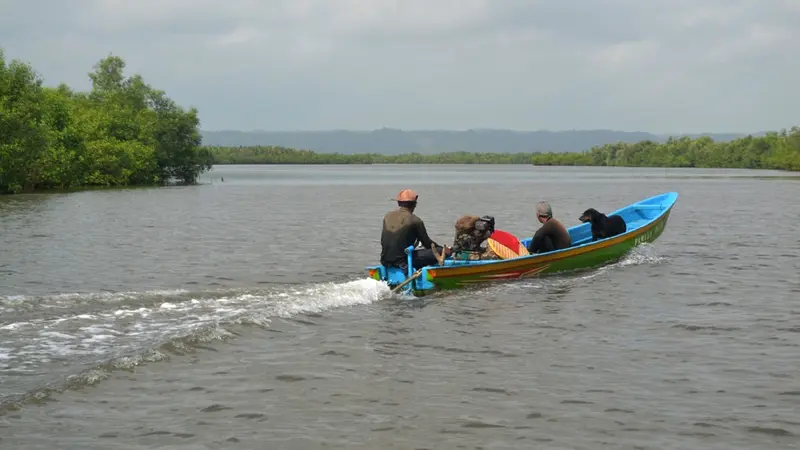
645 221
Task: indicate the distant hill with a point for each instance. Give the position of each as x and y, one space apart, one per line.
392 141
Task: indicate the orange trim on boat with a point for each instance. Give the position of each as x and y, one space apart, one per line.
510 265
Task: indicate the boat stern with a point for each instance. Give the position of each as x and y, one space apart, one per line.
394 276
391 275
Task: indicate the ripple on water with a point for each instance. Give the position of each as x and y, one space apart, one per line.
83 348
688 343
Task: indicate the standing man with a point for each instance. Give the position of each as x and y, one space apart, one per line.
401 228
552 235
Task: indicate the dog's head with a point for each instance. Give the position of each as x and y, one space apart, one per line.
590 215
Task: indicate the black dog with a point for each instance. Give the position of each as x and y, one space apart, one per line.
603 226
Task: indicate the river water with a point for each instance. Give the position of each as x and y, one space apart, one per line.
237 314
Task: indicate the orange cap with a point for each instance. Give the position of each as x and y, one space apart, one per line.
406 195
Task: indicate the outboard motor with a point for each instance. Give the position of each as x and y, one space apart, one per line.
485 226
471 232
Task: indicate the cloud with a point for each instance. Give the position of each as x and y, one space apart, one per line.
659 65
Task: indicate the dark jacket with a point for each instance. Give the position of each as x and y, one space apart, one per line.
552 231
401 228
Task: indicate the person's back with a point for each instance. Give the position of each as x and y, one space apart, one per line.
552 235
401 228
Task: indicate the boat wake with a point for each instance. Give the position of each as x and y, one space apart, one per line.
52 343
642 254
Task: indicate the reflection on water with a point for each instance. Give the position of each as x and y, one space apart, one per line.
237 314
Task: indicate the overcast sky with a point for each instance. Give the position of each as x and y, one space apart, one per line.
647 65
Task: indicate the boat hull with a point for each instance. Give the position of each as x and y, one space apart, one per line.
646 222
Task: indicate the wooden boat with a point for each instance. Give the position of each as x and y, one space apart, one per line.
645 222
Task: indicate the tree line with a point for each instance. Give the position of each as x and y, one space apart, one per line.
775 150
270 154
125 132
122 132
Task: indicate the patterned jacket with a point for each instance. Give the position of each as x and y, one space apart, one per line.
471 232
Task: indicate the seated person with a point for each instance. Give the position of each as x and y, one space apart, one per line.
471 232
552 235
401 228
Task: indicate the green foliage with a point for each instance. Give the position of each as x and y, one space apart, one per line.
773 151
123 132
779 151
283 155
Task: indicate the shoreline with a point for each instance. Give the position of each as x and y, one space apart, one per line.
773 151
757 174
